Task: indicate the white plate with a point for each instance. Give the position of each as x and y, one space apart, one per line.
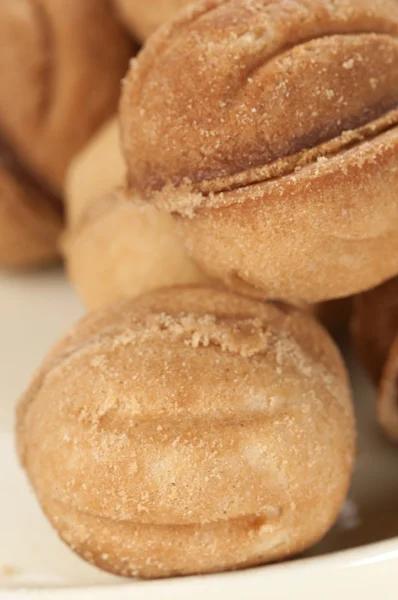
359 557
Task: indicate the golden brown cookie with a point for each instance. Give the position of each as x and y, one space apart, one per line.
277 153
188 431
98 169
387 404
374 332
116 246
61 65
143 18
374 325
124 247
30 221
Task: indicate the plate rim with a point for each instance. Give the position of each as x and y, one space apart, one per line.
349 558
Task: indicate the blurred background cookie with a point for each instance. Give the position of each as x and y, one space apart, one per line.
123 247
99 168
143 18
116 245
374 325
61 64
374 331
387 405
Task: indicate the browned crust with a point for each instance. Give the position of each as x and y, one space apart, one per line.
61 67
143 18
284 166
64 65
374 325
233 132
278 154
29 225
48 70
387 405
325 232
190 197
28 179
148 495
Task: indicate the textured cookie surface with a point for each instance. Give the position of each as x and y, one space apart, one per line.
61 64
279 152
116 245
190 430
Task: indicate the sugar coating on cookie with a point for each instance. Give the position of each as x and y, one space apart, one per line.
188 431
278 154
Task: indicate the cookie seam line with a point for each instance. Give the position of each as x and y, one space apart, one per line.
160 198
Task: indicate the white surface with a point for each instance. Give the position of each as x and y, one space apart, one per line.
35 310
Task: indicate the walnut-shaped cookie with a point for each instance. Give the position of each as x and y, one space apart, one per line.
123 247
374 330
143 18
116 245
269 130
187 431
61 64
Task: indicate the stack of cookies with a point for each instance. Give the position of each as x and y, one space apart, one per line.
243 198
